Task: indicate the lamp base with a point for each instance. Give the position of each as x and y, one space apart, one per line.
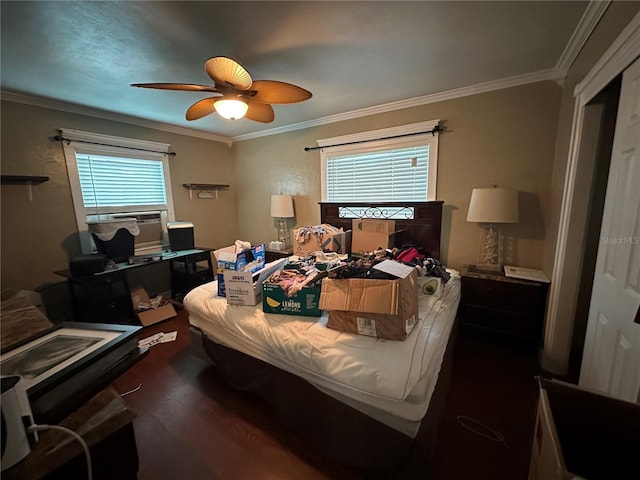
283 233
490 249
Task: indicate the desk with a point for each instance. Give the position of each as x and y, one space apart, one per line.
105 296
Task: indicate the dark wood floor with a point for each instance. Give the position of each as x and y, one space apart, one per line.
191 424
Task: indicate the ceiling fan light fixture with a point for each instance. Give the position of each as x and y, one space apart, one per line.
231 109
236 92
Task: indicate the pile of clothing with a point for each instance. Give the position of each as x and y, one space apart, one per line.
409 255
297 275
305 234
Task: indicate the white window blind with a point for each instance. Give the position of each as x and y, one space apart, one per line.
395 164
392 175
108 181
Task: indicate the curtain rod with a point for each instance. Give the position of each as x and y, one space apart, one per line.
433 131
59 138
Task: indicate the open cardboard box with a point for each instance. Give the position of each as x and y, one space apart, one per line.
582 434
339 242
152 315
245 288
370 234
305 302
250 260
378 308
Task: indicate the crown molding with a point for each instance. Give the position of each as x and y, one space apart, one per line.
515 81
620 54
107 115
509 82
590 18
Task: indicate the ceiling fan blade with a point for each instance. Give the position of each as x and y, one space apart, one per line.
227 72
177 86
260 112
271 91
201 108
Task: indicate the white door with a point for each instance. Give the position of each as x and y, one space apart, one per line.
611 359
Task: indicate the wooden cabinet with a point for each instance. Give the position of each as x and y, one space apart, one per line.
107 426
505 306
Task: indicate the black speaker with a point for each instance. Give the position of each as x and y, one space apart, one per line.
180 235
83 265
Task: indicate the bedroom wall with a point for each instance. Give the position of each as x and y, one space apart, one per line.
559 329
505 137
38 236
611 24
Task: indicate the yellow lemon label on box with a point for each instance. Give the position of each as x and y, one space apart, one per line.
272 303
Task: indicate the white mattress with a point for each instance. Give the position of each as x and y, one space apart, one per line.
391 381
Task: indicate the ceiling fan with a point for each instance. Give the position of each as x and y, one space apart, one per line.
237 94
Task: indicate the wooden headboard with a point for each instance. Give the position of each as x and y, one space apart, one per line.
420 223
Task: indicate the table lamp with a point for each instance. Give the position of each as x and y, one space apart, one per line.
492 207
281 208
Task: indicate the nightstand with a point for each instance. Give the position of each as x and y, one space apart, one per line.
508 307
272 255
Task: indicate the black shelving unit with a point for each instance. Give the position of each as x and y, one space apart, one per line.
190 271
101 299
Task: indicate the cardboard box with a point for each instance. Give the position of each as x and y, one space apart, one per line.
148 316
305 302
338 242
581 434
370 234
228 259
378 308
245 288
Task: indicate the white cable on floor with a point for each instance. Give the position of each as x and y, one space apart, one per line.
85 447
493 435
131 391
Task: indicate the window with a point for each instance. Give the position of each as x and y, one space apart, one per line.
358 176
391 165
113 177
116 183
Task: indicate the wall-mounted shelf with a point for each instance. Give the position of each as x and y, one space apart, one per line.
204 186
23 179
28 180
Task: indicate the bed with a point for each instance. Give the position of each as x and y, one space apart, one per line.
365 402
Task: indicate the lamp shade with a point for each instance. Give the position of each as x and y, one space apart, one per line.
281 206
493 205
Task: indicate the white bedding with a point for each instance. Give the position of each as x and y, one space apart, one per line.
391 381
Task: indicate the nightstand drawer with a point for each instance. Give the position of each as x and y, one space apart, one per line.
513 297
503 321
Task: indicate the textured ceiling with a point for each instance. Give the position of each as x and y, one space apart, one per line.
350 55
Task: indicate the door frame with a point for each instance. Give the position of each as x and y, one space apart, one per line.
565 278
